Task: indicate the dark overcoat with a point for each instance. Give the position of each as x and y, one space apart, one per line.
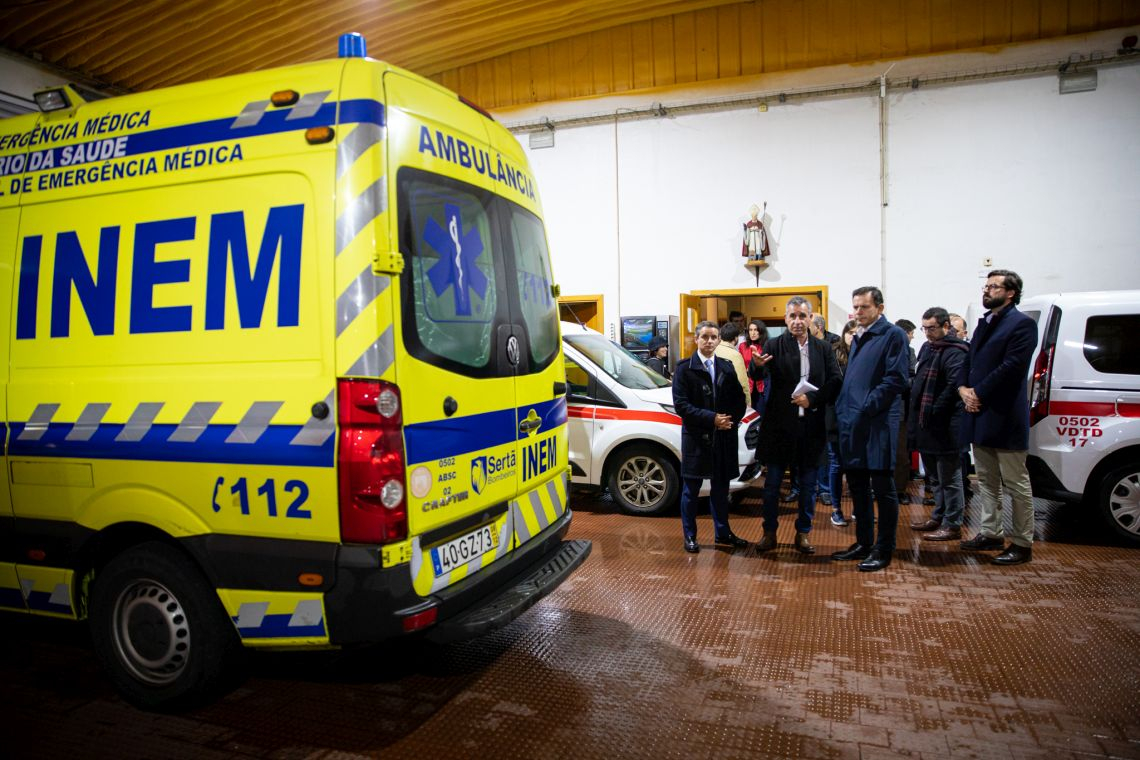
705 451
997 368
940 431
778 425
869 406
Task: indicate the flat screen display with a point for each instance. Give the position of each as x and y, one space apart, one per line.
636 332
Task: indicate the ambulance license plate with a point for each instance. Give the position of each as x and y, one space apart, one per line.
460 551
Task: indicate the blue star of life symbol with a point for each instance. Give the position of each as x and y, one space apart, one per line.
458 249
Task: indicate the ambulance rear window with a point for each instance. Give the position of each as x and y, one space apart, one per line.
1112 344
453 271
532 265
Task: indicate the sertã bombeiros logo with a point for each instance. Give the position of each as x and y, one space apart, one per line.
491 469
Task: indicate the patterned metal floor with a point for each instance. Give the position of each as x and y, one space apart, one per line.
649 652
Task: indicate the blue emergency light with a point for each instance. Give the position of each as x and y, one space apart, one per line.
352 45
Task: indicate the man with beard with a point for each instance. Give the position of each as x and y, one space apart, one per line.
994 388
933 422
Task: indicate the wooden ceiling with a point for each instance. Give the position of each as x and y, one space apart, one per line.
512 52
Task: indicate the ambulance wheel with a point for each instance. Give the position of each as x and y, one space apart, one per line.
643 481
160 630
1120 501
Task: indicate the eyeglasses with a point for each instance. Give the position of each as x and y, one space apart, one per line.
989 288
931 328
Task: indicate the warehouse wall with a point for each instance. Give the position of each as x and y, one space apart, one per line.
1002 169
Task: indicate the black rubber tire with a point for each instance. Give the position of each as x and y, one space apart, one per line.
643 481
160 631
1118 499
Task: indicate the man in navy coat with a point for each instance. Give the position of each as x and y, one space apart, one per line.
993 385
869 410
710 401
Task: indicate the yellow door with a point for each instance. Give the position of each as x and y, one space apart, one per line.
690 315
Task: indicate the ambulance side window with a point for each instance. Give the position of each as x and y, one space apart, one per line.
1112 343
454 281
532 267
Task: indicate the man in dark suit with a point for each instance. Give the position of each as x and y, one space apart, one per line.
708 397
793 431
868 410
993 386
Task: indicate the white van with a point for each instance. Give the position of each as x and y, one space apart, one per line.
624 433
1084 415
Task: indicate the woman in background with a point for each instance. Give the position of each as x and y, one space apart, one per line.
835 477
751 348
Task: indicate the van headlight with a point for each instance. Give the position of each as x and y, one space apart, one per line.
669 408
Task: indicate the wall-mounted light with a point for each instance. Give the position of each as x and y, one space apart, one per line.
542 138
1069 82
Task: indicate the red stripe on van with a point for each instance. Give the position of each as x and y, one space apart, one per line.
1093 409
607 413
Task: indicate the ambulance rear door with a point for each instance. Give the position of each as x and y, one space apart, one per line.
457 345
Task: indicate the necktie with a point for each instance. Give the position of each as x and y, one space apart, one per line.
712 375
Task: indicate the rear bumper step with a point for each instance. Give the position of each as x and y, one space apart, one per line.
516 599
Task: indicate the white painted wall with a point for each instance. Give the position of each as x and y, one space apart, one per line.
1041 183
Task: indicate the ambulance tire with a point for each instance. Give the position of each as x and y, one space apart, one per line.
643 480
160 631
1119 501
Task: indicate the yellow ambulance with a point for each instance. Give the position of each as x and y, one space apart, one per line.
282 369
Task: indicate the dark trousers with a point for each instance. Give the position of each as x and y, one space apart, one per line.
862 483
945 472
772 481
718 505
802 466
834 475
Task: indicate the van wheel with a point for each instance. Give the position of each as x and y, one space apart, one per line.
160 630
1120 501
643 481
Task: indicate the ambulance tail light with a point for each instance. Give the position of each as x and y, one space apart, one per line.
1043 370
370 462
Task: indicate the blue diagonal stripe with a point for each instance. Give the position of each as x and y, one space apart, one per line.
274 446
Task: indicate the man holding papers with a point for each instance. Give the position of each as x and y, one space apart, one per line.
804 377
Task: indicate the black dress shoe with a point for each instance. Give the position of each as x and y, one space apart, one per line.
1014 555
732 540
691 544
981 543
855 551
877 560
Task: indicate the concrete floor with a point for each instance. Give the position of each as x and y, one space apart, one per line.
653 653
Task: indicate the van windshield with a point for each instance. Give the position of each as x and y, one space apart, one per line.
616 362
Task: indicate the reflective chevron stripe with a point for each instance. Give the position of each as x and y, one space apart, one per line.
365 289
88 422
255 621
365 344
376 359
38 424
308 105
195 422
253 440
361 211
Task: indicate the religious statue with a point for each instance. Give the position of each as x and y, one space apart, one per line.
755 246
